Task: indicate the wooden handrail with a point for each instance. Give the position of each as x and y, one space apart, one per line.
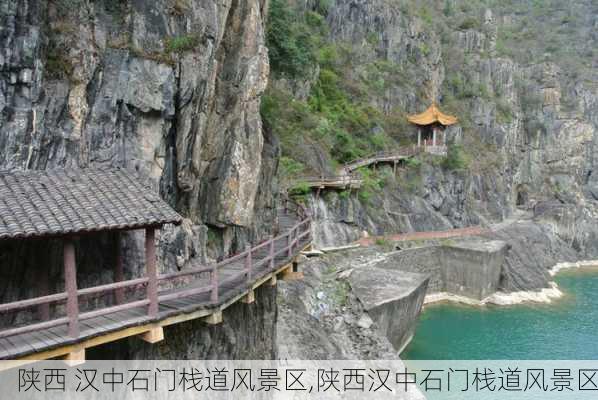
17 305
112 286
34 327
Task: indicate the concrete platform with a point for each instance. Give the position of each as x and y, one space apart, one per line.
393 299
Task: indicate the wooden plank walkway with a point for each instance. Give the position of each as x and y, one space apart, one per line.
346 177
382 157
193 300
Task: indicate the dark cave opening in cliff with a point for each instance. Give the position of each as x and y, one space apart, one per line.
522 197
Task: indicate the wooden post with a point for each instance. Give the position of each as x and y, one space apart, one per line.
290 243
248 263
152 274
214 283
249 298
272 253
154 335
70 285
76 357
119 273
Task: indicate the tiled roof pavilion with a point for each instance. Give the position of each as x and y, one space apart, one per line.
72 201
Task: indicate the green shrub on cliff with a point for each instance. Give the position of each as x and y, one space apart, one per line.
456 159
470 23
181 44
293 39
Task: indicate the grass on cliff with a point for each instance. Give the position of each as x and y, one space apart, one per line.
337 115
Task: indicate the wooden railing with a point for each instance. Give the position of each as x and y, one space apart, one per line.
260 258
381 156
439 150
347 177
328 180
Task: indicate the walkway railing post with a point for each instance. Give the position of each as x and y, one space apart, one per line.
290 243
70 284
248 263
214 283
152 275
271 253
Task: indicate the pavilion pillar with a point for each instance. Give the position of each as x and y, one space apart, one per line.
152 274
433 136
119 273
419 138
70 284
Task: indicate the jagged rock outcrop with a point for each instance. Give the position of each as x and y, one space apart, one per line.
168 88
529 125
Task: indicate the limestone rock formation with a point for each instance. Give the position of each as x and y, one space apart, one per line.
168 88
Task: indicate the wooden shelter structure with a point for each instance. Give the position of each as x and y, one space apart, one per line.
69 206
432 124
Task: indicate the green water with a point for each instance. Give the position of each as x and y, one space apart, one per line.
567 329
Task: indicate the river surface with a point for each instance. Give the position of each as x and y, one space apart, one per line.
567 329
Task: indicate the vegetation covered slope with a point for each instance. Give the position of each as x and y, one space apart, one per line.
519 75
340 91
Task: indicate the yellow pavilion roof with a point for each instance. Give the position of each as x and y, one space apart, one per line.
432 115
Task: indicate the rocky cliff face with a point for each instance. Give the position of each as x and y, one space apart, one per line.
170 88
527 114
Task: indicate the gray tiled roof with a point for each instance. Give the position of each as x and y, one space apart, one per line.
69 201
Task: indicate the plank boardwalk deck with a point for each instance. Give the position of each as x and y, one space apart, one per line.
346 177
233 283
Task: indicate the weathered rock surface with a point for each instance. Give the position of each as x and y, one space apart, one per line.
321 318
171 89
167 88
533 120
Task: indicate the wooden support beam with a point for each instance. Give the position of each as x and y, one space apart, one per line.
154 335
214 319
70 284
289 274
273 280
75 357
249 298
152 274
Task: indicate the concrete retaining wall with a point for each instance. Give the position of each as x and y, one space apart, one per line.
470 269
